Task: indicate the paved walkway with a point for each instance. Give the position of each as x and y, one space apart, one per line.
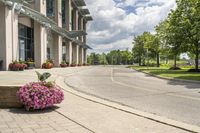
74 115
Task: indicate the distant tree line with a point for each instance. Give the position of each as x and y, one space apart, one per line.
115 57
178 33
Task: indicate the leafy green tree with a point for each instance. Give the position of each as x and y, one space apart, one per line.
175 35
188 14
138 49
103 59
94 59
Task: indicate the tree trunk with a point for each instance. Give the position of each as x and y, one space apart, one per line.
144 62
175 59
158 59
140 62
197 59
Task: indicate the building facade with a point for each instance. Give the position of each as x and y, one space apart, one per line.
42 30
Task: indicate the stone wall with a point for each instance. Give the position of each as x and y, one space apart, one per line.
8 97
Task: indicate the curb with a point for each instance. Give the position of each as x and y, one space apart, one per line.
124 108
168 78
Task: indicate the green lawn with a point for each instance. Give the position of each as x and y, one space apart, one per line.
165 72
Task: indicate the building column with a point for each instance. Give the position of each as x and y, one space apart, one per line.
57 38
82 55
77 54
58 50
40 41
75 50
85 56
8 36
69 48
82 21
68 15
69 51
74 53
40 36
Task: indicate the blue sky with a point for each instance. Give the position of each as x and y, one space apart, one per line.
117 21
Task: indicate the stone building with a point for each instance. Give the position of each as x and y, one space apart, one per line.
42 30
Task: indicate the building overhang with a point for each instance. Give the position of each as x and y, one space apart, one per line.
79 3
84 11
20 8
88 18
78 33
86 46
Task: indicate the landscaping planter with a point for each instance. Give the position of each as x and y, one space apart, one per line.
40 95
64 65
47 66
17 66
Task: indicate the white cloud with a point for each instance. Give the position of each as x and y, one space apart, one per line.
117 21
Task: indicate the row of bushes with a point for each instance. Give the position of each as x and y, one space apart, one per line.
21 65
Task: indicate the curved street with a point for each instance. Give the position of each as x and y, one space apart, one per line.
174 100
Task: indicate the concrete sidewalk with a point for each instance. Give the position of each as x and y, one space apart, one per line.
75 114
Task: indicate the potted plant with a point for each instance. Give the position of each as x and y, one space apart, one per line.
73 64
48 64
64 64
17 66
30 63
41 94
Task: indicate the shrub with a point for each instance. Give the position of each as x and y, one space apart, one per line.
40 95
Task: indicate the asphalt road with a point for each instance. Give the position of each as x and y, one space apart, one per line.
175 100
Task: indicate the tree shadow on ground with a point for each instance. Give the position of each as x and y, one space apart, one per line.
24 111
174 82
187 84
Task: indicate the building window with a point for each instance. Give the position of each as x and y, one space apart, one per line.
79 23
64 51
72 20
26 44
48 53
50 8
63 12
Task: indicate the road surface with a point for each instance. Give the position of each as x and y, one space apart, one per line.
174 100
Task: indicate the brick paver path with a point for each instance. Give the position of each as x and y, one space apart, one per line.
21 121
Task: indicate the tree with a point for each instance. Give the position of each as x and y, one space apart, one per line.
94 59
152 43
138 49
175 35
189 22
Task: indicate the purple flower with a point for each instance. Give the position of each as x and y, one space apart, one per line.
36 95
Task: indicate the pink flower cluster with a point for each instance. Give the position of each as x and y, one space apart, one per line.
37 95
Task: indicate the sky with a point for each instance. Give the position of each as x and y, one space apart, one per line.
116 22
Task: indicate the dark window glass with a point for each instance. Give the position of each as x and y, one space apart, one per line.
79 23
63 12
64 51
26 45
50 8
48 53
